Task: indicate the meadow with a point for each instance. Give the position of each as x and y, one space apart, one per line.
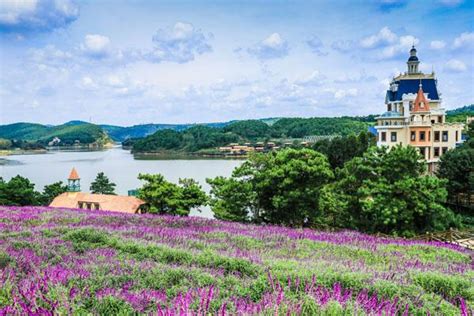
64 261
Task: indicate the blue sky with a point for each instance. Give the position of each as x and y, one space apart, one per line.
133 62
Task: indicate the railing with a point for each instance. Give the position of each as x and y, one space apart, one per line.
464 238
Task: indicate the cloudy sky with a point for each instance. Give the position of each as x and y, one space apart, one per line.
132 62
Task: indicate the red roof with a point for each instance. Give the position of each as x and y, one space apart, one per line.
74 175
116 203
421 104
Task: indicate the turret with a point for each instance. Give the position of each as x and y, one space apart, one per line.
74 181
413 61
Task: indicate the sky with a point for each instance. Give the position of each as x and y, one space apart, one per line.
134 62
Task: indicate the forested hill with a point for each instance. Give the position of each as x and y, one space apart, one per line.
68 133
460 114
120 133
201 137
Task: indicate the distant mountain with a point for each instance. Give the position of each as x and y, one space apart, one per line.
88 133
119 133
69 133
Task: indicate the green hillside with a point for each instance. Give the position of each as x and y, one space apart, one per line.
120 133
69 133
201 137
460 114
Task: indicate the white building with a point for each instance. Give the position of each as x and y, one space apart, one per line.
415 116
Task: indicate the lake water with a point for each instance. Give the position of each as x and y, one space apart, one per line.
119 165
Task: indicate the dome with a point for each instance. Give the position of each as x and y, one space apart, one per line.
391 114
413 58
413 49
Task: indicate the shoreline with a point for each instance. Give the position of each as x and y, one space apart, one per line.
183 155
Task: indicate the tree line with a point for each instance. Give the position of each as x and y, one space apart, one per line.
202 137
343 183
20 191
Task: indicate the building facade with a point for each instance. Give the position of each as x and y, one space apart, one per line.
415 115
74 198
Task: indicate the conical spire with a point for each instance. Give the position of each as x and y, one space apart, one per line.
73 175
421 104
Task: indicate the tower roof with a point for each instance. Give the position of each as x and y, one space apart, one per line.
421 104
73 175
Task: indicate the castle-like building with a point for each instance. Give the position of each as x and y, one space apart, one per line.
415 116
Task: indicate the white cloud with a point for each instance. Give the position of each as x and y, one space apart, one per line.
36 16
437 45
386 44
342 93
455 65
314 79
274 46
181 44
465 40
96 46
383 37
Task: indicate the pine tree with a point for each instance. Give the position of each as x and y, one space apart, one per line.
102 185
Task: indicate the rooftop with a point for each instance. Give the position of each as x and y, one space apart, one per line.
408 85
116 203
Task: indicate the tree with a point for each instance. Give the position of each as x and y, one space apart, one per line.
164 197
387 191
102 185
231 199
279 187
51 191
457 167
339 150
19 191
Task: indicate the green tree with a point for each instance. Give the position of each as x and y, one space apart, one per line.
457 167
102 185
388 191
19 191
51 191
339 150
231 199
279 187
164 197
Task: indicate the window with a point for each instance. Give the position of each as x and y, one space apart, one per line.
411 105
422 136
440 119
389 107
436 151
457 136
413 136
429 135
422 151
436 136
445 149
393 136
445 136
383 136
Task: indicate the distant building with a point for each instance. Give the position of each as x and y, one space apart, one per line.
415 117
88 201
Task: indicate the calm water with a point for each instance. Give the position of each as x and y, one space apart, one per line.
119 165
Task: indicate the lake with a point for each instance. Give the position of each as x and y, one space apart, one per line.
119 165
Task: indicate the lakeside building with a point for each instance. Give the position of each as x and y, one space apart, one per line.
88 201
415 116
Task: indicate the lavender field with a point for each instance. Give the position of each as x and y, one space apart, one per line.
58 261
